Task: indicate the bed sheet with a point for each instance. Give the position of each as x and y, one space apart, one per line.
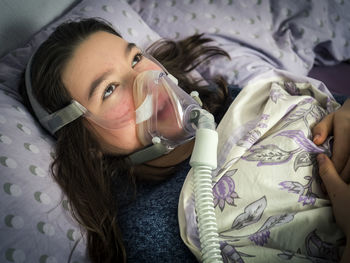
290 35
266 184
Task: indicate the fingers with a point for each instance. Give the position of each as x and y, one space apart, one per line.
321 131
333 183
341 145
345 174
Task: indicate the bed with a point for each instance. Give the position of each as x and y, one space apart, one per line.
304 37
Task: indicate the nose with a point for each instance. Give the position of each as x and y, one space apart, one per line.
130 78
132 74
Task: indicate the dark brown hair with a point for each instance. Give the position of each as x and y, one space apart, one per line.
82 171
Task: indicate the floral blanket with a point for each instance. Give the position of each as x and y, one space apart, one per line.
267 193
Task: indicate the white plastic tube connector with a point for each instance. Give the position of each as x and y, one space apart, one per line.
203 161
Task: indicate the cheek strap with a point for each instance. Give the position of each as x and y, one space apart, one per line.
54 121
149 153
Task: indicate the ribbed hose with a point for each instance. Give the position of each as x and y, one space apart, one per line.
204 204
203 161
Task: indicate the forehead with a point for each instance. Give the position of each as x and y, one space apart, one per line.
99 42
98 53
99 47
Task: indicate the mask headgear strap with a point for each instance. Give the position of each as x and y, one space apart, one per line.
149 153
54 121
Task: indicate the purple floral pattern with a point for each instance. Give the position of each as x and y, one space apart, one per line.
252 136
262 235
268 155
224 191
288 255
271 154
291 88
252 215
317 250
300 152
299 137
277 94
260 238
310 111
306 196
304 159
230 254
308 199
263 117
249 139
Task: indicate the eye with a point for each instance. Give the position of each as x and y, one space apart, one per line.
137 58
109 90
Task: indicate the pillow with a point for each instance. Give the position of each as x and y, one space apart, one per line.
35 225
293 35
123 18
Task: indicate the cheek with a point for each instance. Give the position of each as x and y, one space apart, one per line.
118 141
122 108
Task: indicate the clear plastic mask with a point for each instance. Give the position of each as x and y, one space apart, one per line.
157 106
163 109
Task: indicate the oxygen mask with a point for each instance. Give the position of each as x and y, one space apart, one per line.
159 108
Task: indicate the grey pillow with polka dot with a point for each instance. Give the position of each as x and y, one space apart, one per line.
291 35
35 224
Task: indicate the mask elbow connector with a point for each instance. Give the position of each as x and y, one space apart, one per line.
205 148
202 119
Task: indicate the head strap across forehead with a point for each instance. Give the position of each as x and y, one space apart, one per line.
54 121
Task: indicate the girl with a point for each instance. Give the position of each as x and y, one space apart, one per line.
88 156
88 62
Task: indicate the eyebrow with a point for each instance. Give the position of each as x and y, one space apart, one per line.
95 83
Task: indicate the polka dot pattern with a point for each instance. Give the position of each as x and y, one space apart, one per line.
28 195
12 189
8 162
278 30
14 221
4 139
15 255
47 259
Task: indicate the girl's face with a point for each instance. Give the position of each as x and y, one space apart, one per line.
100 65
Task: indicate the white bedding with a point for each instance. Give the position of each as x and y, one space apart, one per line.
267 196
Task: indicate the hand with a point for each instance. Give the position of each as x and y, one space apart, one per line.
338 124
339 194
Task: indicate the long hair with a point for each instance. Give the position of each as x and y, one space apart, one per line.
80 168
